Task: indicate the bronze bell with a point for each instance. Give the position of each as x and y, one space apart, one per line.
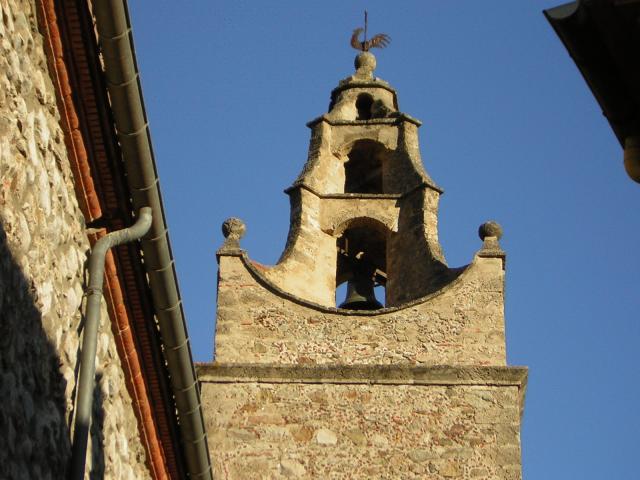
360 294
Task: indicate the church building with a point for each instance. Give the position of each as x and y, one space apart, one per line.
360 355
406 377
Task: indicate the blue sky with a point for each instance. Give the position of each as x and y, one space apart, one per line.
510 131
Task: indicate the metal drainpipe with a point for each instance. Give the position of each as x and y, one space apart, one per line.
125 93
90 336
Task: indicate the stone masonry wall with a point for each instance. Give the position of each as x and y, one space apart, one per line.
43 249
360 431
462 325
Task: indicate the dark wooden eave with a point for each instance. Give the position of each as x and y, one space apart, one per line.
603 38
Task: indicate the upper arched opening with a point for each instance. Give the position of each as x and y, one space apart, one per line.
363 170
364 106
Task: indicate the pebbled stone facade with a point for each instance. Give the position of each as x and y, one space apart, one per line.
43 250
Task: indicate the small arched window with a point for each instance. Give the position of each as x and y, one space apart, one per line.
364 102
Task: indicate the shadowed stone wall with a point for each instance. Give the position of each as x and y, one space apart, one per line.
43 250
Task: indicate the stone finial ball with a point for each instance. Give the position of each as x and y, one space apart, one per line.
233 228
490 229
365 60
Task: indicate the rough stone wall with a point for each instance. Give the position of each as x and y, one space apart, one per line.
462 325
289 430
43 249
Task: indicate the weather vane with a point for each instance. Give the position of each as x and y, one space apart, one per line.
380 40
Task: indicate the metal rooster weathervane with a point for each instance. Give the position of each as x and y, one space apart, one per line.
380 40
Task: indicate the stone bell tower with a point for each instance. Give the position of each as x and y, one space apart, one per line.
410 382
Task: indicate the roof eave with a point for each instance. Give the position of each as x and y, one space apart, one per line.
597 39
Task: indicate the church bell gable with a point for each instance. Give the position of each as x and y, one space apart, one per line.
404 375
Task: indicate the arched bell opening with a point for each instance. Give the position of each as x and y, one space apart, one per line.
364 104
362 264
363 168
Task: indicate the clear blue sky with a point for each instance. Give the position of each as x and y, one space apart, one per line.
510 131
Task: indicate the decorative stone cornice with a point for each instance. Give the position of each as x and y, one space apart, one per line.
443 375
391 120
